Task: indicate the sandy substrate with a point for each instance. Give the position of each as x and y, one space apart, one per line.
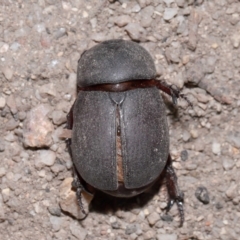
195 46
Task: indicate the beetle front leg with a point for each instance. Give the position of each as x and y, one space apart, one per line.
174 193
173 92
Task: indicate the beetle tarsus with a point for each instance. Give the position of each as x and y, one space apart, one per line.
79 188
175 195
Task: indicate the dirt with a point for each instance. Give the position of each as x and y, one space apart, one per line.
195 46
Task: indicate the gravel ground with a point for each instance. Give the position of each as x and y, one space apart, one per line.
195 45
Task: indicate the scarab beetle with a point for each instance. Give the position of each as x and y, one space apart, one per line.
120 139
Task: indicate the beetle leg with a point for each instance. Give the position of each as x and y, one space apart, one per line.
171 91
84 191
175 195
79 188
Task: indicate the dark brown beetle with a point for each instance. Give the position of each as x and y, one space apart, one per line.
120 139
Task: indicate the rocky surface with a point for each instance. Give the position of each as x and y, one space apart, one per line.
195 45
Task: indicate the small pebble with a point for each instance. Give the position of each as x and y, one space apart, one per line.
56 222
48 89
11 102
146 16
184 155
6 194
234 138
180 3
228 163
168 2
135 31
186 136
56 168
3 47
60 33
232 191
78 231
2 102
202 195
47 157
131 228
98 37
11 125
166 237
216 148
153 218
167 218
136 8
58 117
150 234
8 73
170 13
122 20
37 127
2 171
2 211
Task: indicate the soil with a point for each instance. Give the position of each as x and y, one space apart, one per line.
195 46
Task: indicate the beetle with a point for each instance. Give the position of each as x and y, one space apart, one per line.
120 139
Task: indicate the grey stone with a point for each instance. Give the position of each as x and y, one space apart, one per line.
98 37
122 20
202 195
169 2
2 102
146 16
59 117
150 234
136 8
60 33
234 138
184 155
46 157
56 223
135 31
170 13
7 72
11 102
78 231
131 228
180 3
153 218
55 210
228 163
216 148
56 168
2 211
166 236
232 192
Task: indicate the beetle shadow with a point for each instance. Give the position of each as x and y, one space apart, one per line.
104 203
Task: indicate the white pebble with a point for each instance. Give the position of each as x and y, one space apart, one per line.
216 148
2 102
47 157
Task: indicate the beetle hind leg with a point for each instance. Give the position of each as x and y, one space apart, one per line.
84 192
79 189
174 193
